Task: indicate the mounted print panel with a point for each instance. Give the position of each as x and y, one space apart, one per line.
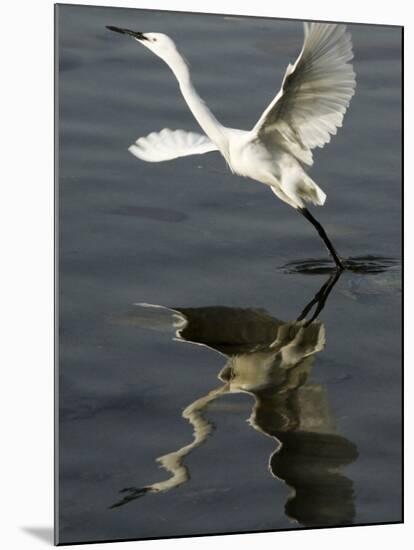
229 205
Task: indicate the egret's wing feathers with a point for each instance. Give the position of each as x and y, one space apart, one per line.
315 93
170 144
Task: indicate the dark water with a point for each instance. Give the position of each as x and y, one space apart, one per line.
233 269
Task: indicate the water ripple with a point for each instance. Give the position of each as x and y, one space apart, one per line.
357 264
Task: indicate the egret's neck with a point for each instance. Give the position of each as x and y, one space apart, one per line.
208 122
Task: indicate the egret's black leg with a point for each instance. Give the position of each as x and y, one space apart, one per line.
305 212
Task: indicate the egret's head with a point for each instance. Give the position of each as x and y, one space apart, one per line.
159 43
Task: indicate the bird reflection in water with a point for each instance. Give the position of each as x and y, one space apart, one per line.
270 360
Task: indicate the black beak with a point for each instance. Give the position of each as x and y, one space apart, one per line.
138 35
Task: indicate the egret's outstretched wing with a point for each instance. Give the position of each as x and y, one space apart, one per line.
315 93
170 144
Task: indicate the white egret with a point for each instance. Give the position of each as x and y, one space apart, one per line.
307 110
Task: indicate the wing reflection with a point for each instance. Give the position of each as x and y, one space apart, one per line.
270 360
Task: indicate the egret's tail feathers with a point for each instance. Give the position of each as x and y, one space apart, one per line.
170 144
297 188
313 193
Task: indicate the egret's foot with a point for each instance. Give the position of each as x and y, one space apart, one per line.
339 264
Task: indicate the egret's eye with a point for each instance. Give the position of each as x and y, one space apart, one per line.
154 39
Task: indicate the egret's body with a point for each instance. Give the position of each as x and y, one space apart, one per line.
308 109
